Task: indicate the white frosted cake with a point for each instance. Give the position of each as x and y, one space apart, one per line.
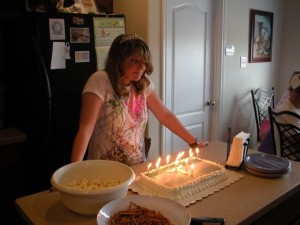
184 180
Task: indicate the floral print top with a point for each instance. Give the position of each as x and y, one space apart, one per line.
119 130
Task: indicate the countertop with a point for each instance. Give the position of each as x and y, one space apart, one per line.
11 135
243 202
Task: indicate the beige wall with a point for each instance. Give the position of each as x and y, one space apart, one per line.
136 14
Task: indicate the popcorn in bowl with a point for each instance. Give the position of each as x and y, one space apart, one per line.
86 186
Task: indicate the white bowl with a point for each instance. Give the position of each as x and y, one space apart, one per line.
88 202
174 211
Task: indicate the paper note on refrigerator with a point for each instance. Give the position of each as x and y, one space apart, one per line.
58 60
101 53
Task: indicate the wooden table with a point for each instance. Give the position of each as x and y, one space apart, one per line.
252 199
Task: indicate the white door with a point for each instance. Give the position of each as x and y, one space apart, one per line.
188 67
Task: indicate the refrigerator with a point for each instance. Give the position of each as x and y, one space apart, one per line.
48 58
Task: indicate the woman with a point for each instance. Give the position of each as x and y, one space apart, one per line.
291 102
115 105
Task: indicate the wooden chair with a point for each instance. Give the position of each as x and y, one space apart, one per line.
261 100
285 136
147 143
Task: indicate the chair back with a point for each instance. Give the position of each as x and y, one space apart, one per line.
285 136
261 100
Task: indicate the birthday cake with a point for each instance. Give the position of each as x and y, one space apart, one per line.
182 180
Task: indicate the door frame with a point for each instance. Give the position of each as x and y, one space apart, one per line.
218 75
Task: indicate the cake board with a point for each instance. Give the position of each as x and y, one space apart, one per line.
232 177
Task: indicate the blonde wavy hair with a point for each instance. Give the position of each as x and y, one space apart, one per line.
124 46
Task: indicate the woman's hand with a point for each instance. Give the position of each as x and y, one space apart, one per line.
202 144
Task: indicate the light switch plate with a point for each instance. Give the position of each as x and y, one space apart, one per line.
229 50
243 62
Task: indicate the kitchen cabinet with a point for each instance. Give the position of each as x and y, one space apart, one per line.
12 171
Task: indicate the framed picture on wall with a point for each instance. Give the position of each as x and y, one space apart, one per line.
261 28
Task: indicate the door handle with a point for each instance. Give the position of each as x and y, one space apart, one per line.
211 102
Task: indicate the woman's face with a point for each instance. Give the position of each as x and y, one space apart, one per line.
57 27
134 68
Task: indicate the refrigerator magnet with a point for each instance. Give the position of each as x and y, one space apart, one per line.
78 20
67 50
82 56
57 29
80 35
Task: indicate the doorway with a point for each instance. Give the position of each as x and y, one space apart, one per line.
191 68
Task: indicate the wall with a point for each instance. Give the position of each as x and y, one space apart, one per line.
290 44
136 14
237 82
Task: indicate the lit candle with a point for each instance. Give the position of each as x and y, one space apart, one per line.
180 156
190 151
149 165
168 159
157 164
176 163
177 157
192 169
158 160
197 152
186 163
191 155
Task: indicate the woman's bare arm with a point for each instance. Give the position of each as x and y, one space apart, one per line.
91 104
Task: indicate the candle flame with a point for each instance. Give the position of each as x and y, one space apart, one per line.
178 156
168 159
186 163
192 169
149 165
186 160
157 164
158 160
197 150
176 162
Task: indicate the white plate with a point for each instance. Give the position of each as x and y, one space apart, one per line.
268 174
265 163
174 211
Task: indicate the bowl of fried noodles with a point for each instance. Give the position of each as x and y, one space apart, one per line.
88 185
144 209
